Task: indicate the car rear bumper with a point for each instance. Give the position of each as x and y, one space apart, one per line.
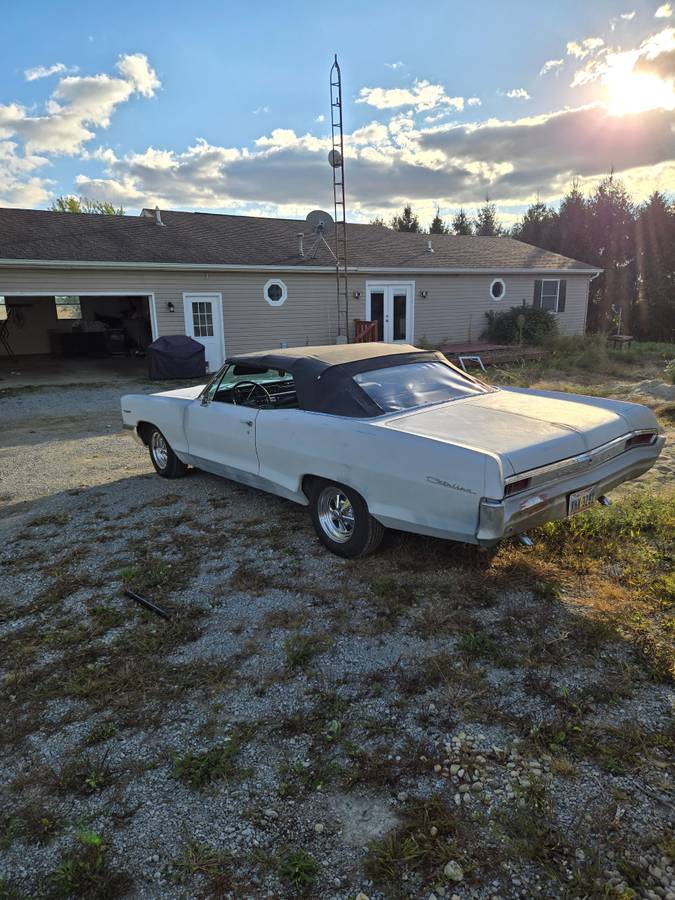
499 519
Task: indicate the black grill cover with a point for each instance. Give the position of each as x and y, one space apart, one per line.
176 356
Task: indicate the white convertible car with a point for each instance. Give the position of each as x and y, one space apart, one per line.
375 436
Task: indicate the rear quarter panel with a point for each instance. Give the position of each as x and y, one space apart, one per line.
408 481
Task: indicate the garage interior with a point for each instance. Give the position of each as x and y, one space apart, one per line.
73 332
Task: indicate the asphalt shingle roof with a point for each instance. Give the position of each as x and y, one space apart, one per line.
214 239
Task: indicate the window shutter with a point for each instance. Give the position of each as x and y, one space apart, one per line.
536 302
562 293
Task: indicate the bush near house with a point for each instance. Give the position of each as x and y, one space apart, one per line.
505 327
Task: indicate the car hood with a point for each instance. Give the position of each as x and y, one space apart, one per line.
527 429
186 393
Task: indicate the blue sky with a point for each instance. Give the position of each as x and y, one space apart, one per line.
218 106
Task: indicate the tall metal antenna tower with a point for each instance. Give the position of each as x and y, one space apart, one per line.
336 158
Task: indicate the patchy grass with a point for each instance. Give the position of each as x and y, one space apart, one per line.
220 763
34 823
430 835
301 649
214 868
83 775
84 871
299 870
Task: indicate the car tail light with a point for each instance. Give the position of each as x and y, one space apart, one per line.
640 440
515 487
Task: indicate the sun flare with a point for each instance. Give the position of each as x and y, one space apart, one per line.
629 91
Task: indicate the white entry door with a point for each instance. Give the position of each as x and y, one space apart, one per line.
391 306
204 323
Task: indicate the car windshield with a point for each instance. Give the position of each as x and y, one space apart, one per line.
417 384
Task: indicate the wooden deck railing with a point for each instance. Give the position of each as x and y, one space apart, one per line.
364 331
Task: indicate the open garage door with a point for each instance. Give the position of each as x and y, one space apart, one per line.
91 326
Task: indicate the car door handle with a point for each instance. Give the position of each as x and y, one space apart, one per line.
248 422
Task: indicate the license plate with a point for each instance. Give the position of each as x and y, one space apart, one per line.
580 500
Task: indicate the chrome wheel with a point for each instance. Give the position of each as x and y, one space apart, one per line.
159 449
336 514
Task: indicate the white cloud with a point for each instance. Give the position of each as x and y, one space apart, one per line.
474 101
423 96
395 65
19 185
45 71
78 104
260 110
320 118
616 69
285 173
136 69
551 65
628 16
586 47
518 94
664 12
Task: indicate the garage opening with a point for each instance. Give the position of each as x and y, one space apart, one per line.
72 330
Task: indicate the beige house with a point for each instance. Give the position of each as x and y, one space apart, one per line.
72 284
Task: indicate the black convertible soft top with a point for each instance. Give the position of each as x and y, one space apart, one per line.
324 376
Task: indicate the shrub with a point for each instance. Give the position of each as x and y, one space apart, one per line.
505 327
669 372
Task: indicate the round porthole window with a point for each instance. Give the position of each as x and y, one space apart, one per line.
497 289
275 292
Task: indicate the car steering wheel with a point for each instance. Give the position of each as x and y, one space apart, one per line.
257 395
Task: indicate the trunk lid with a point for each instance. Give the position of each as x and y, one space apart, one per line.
524 428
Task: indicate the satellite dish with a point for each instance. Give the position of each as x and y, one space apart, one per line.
320 221
335 158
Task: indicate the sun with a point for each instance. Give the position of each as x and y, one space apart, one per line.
629 91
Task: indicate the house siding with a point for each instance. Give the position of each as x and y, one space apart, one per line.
454 309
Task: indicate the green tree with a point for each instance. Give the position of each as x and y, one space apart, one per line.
438 226
461 224
654 310
538 226
612 240
72 204
486 223
407 221
572 236
378 220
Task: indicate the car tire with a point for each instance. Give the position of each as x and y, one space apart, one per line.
163 458
342 521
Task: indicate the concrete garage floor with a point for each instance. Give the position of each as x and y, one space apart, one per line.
35 371
304 726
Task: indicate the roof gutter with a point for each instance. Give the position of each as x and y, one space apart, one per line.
218 267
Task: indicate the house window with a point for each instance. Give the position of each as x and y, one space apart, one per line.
497 289
202 319
549 295
67 307
275 292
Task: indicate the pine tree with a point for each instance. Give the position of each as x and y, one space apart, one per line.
538 226
486 223
612 236
461 224
572 229
654 312
438 226
407 221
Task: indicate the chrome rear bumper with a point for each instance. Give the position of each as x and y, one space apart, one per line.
546 502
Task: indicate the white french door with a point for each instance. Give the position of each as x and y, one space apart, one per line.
391 306
204 323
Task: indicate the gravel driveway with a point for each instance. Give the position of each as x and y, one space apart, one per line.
424 723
